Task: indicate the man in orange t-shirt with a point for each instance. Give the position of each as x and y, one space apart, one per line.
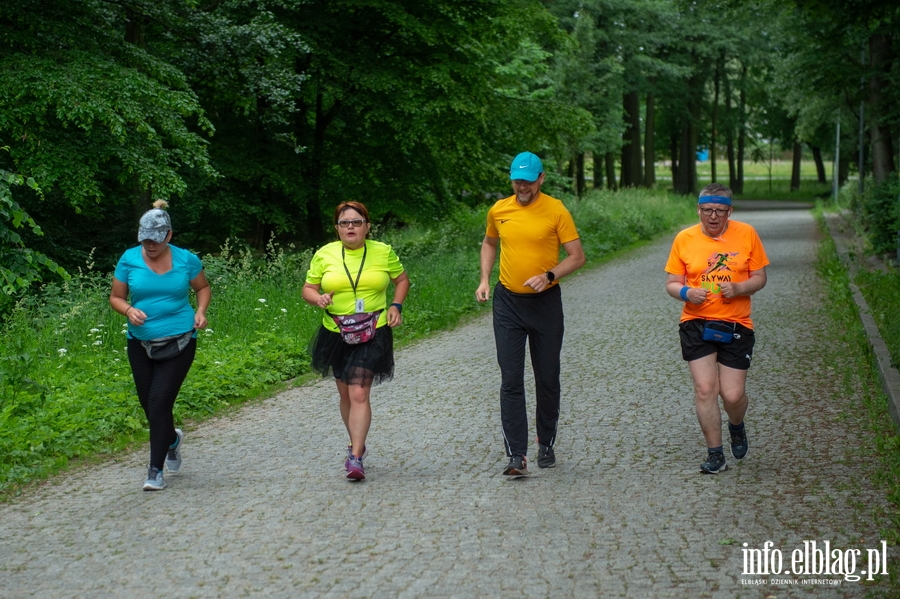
529 227
714 267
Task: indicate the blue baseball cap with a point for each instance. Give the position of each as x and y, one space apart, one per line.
526 166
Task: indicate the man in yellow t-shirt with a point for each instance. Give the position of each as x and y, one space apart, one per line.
714 267
529 227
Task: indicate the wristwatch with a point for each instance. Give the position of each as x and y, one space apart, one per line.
550 276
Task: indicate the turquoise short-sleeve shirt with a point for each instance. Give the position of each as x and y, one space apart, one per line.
163 298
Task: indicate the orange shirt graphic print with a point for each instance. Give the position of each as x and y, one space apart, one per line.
719 262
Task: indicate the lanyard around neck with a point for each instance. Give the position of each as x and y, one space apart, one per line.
347 270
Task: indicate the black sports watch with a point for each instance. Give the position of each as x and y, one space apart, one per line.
550 276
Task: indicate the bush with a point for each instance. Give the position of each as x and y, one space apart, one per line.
878 211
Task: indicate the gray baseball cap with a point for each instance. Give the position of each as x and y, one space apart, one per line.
154 225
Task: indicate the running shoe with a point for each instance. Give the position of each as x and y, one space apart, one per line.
739 443
546 457
350 455
173 457
155 481
518 466
355 469
715 463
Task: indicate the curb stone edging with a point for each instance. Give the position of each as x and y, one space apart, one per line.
849 257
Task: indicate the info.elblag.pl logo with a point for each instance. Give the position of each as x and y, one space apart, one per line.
815 558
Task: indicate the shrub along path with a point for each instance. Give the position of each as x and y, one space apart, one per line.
261 507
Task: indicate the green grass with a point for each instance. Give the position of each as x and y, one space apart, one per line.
756 180
882 293
65 384
844 324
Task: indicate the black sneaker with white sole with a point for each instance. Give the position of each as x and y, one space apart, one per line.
546 457
739 443
715 463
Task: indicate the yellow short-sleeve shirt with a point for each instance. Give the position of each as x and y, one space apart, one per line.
327 269
530 237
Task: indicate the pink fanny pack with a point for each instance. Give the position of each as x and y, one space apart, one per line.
357 328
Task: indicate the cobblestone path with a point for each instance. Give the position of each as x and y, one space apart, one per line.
261 508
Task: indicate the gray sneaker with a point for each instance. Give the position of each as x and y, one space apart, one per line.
715 463
173 457
155 480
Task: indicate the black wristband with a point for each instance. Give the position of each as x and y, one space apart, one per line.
550 276
399 307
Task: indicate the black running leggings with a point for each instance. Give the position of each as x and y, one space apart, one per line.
158 383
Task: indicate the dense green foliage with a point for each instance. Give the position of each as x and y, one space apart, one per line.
878 210
256 117
65 383
20 266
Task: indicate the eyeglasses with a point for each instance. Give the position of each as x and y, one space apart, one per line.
718 211
345 224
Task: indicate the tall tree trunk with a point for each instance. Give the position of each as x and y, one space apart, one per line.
650 142
732 174
631 148
714 117
134 34
685 180
879 132
141 202
843 169
673 158
738 186
611 171
795 166
580 185
729 135
134 28
315 222
687 155
597 160
820 164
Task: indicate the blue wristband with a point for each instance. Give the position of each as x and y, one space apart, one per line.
683 293
399 307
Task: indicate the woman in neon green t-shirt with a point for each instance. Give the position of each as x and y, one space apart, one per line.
346 277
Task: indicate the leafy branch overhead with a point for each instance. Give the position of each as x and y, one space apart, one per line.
256 118
19 265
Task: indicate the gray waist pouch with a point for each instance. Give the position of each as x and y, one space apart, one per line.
166 348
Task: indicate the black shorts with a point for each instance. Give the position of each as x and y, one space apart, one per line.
736 354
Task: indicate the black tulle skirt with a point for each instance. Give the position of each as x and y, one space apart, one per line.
368 363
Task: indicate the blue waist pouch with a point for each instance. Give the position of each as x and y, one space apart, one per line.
720 332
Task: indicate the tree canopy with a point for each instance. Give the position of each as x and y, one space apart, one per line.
256 117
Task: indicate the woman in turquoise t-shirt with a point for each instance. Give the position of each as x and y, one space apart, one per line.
158 278
351 276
